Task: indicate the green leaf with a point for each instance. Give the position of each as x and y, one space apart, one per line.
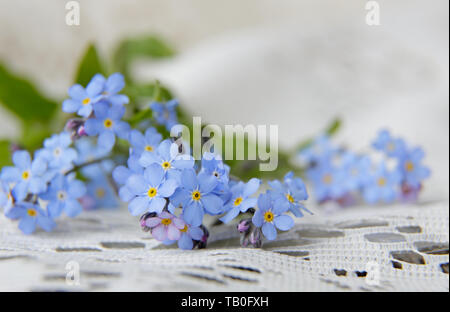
141 47
23 99
5 154
89 65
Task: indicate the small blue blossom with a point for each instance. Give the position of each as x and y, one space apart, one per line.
100 194
188 235
111 87
57 152
144 143
327 181
30 215
270 216
196 197
63 194
150 190
291 192
107 124
414 172
240 201
82 100
212 164
393 147
90 152
28 176
168 157
165 113
383 185
356 170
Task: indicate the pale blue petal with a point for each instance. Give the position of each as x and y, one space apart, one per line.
106 140
137 185
284 223
196 233
20 191
157 205
11 174
93 127
168 188
207 183
27 225
22 160
115 83
71 106
258 218
54 209
77 189
269 231
212 204
189 179
185 242
154 175
138 205
193 214
148 158
85 110
233 213
251 187
72 208
77 92
118 99
46 223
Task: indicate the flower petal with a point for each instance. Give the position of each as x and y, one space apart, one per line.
283 222
138 205
269 231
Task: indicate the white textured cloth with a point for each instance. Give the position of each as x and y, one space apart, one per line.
389 248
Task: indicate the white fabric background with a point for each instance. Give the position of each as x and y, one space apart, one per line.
297 64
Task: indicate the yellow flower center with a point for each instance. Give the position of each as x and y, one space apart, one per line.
196 195
100 192
61 195
409 166
166 221
166 165
268 216
290 198
381 181
327 179
238 201
184 230
149 148
152 192
108 123
57 152
86 101
391 147
25 175
32 212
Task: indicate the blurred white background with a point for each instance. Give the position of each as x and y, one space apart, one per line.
294 63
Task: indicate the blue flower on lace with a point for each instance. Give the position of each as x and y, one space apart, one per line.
383 185
144 143
393 147
413 171
107 124
212 164
28 176
165 113
291 192
57 152
63 194
240 200
150 190
30 215
270 216
168 157
82 100
196 197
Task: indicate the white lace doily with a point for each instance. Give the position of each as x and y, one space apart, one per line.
389 248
